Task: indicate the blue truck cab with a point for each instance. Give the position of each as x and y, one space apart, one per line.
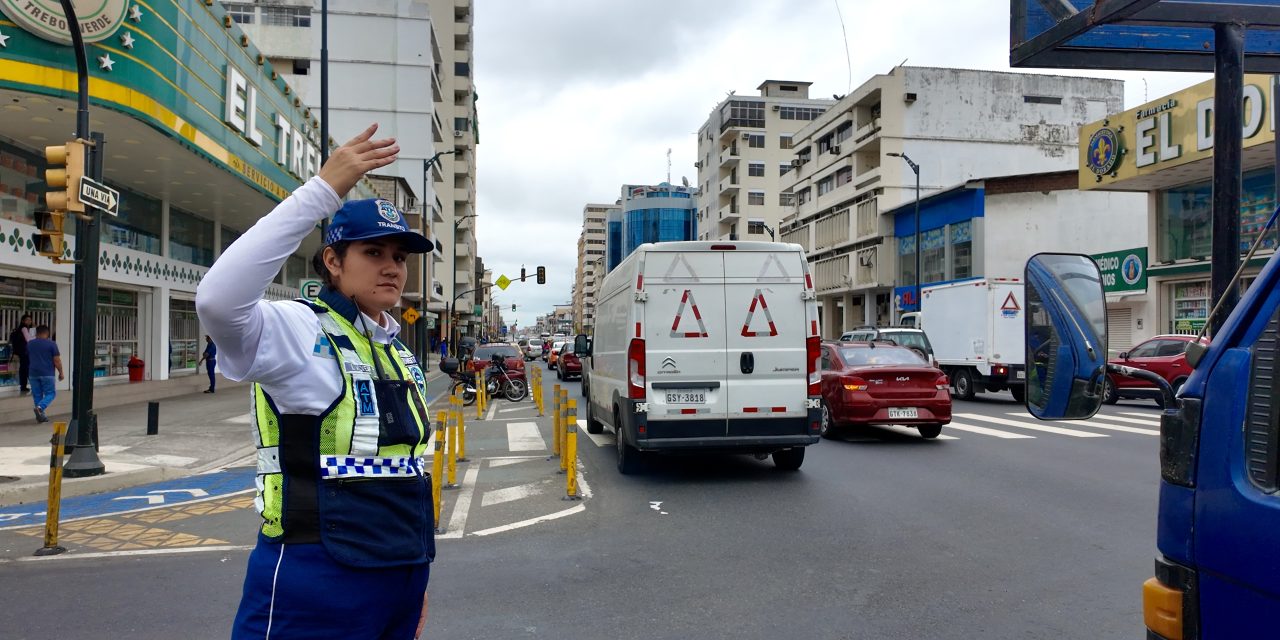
1217 570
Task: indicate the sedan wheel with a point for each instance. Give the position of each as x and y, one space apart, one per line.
827 428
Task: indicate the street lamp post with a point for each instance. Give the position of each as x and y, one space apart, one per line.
426 183
915 168
454 274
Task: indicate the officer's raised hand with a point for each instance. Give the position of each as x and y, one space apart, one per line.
360 155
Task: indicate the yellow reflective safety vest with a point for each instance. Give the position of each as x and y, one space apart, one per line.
352 477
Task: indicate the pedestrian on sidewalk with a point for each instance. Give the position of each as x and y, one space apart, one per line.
336 397
210 358
45 360
444 348
18 339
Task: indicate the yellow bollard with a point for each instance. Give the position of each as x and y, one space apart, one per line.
537 398
51 546
564 428
437 466
482 398
452 445
555 421
571 451
462 432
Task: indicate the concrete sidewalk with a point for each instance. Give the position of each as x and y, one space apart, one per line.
198 432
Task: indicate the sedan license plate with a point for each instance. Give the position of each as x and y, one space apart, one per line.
687 396
906 412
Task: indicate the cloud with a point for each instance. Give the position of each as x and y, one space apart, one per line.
578 97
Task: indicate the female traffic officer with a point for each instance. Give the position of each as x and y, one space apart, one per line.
339 414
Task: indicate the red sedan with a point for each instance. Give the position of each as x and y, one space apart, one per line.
870 383
568 364
514 358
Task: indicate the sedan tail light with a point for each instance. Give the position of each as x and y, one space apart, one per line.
854 383
942 383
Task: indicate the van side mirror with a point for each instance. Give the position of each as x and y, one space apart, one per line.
582 345
1065 322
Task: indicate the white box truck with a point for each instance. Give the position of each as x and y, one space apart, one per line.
976 328
709 346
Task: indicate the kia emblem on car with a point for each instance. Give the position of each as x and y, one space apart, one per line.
904 378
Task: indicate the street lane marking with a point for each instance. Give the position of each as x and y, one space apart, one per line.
524 436
1149 416
987 432
1032 426
1115 418
240 419
504 463
489 415
462 506
1094 422
515 409
138 510
601 439
511 494
531 521
132 552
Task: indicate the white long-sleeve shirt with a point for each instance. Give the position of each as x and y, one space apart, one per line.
273 343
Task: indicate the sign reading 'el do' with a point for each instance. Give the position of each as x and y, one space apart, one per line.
44 18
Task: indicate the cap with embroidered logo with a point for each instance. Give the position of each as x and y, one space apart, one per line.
374 218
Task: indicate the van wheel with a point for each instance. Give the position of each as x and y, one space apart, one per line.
963 383
1019 393
930 431
628 456
593 425
1109 393
789 459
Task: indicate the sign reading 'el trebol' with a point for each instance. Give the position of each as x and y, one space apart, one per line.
44 18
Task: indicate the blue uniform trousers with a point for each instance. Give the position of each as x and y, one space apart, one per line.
296 591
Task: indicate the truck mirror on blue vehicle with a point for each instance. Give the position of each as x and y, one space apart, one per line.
1066 336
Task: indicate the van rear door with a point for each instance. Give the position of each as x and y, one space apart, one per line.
764 310
684 329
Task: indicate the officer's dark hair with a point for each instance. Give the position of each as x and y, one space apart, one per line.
317 261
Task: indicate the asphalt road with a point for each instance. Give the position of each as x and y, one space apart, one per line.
880 535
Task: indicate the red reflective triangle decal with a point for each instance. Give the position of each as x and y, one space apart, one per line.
688 299
758 299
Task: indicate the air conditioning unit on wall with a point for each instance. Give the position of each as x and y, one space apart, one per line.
457 134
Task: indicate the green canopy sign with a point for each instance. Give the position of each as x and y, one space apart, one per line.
1123 271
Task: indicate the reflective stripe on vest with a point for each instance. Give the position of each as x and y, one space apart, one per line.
364 434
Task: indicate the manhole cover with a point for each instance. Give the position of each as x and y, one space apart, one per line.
9 478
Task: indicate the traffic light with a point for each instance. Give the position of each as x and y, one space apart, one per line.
48 235
542 275
66 167
513 308
522 277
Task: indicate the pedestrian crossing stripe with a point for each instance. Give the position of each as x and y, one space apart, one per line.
1008 435
1031 425
1097 424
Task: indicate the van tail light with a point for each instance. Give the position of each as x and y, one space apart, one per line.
854 383
635 370
813 349
942 383
999 370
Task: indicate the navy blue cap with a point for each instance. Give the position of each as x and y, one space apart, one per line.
374 218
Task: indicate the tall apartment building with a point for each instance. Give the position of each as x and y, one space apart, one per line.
744 158
956 125
591 259
387 65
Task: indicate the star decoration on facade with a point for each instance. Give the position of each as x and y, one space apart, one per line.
4 41
126 40
135 13
105 61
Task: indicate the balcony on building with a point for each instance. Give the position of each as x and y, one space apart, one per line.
729 156
729 186
730 213
462 10
833 274
461 35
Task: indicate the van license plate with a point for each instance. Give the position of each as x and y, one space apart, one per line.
1022 375
906 412
687 396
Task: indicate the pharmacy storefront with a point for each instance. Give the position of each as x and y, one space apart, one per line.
1165 148
202 139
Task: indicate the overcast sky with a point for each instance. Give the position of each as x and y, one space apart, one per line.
578 97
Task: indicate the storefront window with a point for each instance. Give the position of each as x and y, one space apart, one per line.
22 185
190 238
138 225
185 343
1190 306
906 261
229 235
962 250
117 332
933 263
17 298
1186 217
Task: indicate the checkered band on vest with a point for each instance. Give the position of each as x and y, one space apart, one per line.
352 467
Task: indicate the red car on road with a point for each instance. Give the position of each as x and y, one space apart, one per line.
870 383
514 358
568 364
1162 355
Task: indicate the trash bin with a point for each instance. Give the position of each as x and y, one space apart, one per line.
136 368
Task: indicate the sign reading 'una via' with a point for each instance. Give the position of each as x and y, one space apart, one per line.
100 196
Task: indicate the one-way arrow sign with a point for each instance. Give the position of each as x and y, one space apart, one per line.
99 195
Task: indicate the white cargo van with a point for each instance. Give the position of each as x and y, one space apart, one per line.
706 346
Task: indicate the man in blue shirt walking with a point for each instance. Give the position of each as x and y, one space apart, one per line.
210 358
45 360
